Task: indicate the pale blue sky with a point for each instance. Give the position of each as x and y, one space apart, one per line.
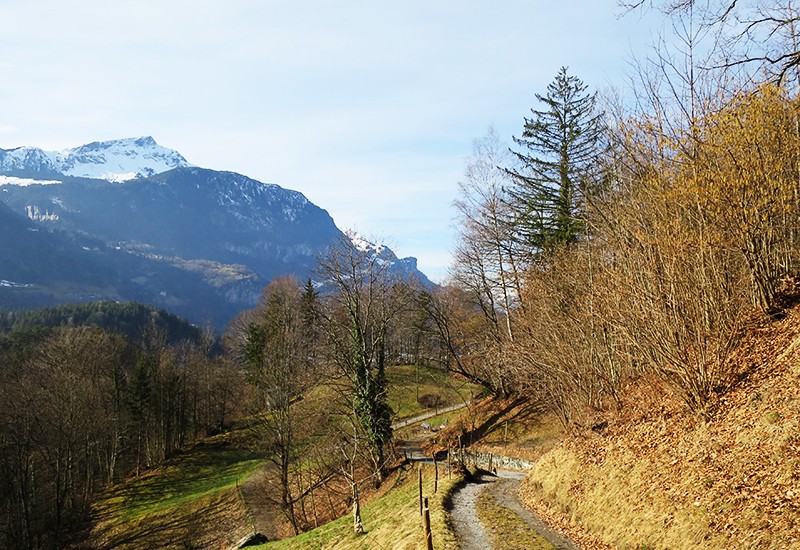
369 108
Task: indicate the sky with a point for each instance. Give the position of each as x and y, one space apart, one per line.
369 108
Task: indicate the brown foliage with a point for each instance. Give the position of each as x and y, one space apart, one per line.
694 231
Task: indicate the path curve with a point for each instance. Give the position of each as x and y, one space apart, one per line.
430 414
503 489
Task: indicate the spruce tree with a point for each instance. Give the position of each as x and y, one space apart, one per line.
560 146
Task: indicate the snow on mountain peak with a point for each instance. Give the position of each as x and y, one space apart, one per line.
116 160
119 160
363 244
382 255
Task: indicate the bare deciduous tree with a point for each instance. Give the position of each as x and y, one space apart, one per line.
356 317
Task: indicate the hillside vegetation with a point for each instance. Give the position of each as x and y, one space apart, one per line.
193 500
659 477
93 394
130 319
222 489
634 271
391 521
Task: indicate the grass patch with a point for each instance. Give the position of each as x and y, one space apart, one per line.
199 475
168 504
643 516
511 427
408 384
507 529
524 427
391 521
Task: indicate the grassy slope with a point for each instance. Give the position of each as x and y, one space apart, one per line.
512 427
661 478
408 381
193 500
390 522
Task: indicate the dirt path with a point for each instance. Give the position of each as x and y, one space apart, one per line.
464 514
260 508
503 489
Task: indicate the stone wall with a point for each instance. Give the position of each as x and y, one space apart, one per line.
489 461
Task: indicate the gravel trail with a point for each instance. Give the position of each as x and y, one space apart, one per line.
503 489
463 513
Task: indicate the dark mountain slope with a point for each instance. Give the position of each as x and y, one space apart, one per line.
191 213
42 268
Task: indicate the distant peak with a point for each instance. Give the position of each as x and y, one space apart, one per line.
145 141
116 160
361 243
370 248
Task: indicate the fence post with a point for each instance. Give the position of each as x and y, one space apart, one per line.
449 462
426 526
420 489
435 474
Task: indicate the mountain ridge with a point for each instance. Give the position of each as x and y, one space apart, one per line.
226 233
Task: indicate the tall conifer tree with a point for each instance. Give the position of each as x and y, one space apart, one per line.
560 146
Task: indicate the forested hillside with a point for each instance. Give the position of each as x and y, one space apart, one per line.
101 393
610 245
131 320
90 395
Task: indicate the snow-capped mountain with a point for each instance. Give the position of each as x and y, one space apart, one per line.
141 223
115 161
362 244
404 268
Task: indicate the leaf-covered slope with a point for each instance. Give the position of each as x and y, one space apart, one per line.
660 477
